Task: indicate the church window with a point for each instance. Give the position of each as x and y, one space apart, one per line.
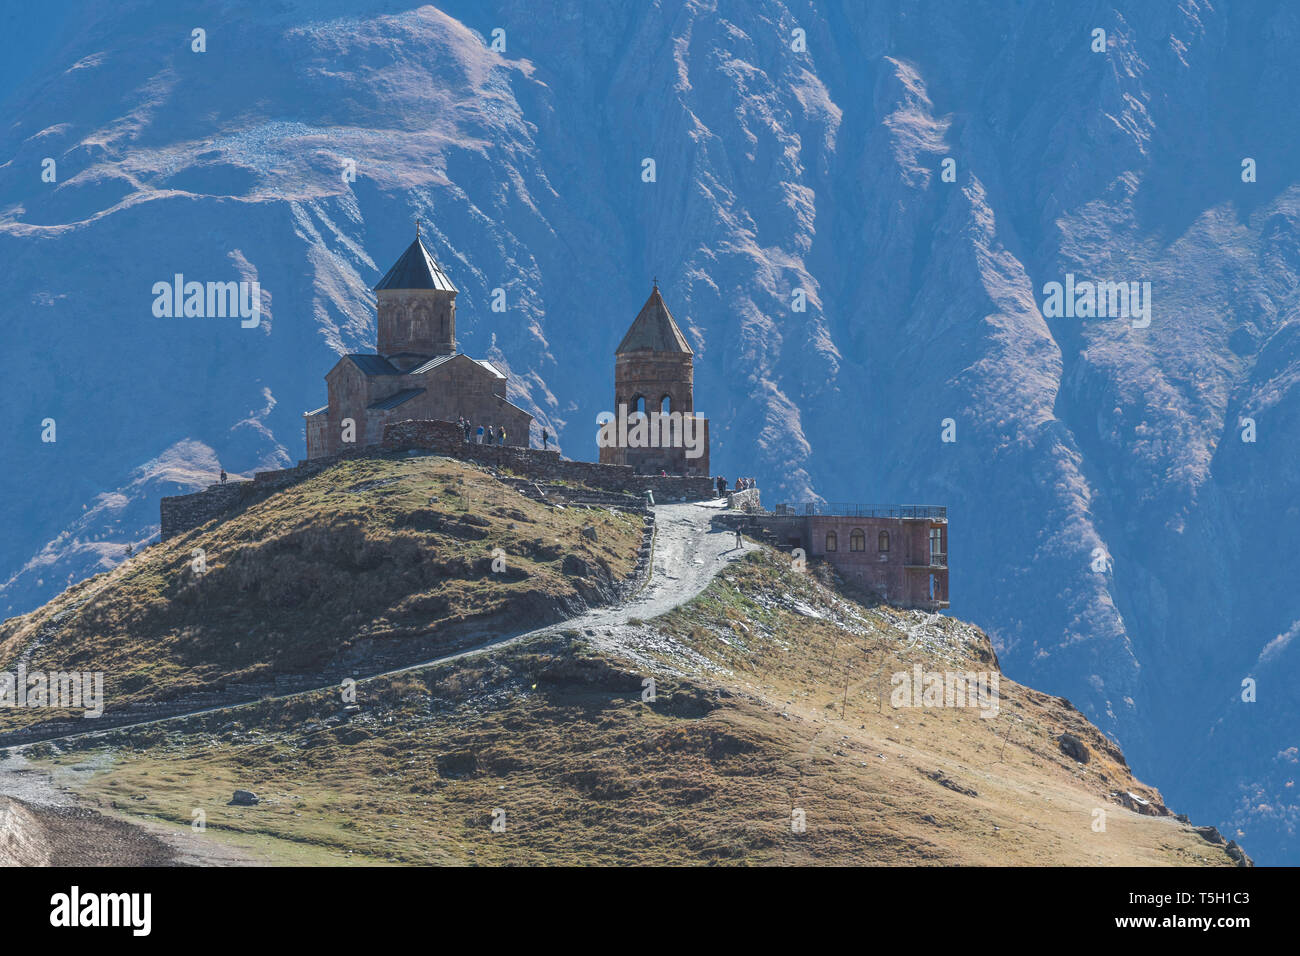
857 540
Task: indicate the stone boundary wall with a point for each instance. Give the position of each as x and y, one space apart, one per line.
444 438
747 500
181 513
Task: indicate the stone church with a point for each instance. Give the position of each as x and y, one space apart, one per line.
417 372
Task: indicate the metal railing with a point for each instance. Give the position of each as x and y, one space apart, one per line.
841 509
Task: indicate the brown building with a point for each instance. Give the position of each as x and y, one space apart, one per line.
655 428
417 372
899 553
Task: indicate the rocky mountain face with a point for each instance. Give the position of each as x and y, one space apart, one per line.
851 306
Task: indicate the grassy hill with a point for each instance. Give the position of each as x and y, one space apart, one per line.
773 694
370 558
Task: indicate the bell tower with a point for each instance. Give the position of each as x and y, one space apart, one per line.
654 377
417 309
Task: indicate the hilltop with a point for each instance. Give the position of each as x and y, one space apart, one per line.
734 696
372 561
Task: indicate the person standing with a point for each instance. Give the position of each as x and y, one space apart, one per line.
501 436
480 434
546 437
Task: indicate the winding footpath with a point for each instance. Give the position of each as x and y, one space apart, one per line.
687 553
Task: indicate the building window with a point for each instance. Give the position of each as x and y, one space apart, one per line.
638 405
666 404
832 542
882 542
857 540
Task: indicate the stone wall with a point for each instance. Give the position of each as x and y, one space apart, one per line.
181 513
747 500
444 438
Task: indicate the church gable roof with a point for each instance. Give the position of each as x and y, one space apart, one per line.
654 329
401 398
430 365
416 269
372 364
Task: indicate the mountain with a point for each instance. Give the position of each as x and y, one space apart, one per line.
784 163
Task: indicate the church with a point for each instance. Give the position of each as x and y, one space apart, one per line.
417 373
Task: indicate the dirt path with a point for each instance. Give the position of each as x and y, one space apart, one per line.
688 552
42 823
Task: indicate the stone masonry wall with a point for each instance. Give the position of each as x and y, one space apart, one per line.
181 513
444 438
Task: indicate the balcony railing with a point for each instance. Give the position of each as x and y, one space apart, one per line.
842 509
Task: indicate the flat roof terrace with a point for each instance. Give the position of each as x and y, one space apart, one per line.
841 509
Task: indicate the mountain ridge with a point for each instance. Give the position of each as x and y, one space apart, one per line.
776 171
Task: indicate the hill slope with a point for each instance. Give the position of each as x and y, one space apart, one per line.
370 562
773 703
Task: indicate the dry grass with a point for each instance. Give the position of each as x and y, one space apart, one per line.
749 730
364 555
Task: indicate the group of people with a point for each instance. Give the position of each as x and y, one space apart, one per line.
742 484
495 435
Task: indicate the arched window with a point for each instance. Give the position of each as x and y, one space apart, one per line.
666 404
638 407
832 542
857 540
882 542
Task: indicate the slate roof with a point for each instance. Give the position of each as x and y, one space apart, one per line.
654 328
373 364
435 362
401 398
416 269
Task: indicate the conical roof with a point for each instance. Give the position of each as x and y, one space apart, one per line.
417 269
654 329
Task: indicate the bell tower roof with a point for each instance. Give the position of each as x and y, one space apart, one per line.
654 329
416 269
